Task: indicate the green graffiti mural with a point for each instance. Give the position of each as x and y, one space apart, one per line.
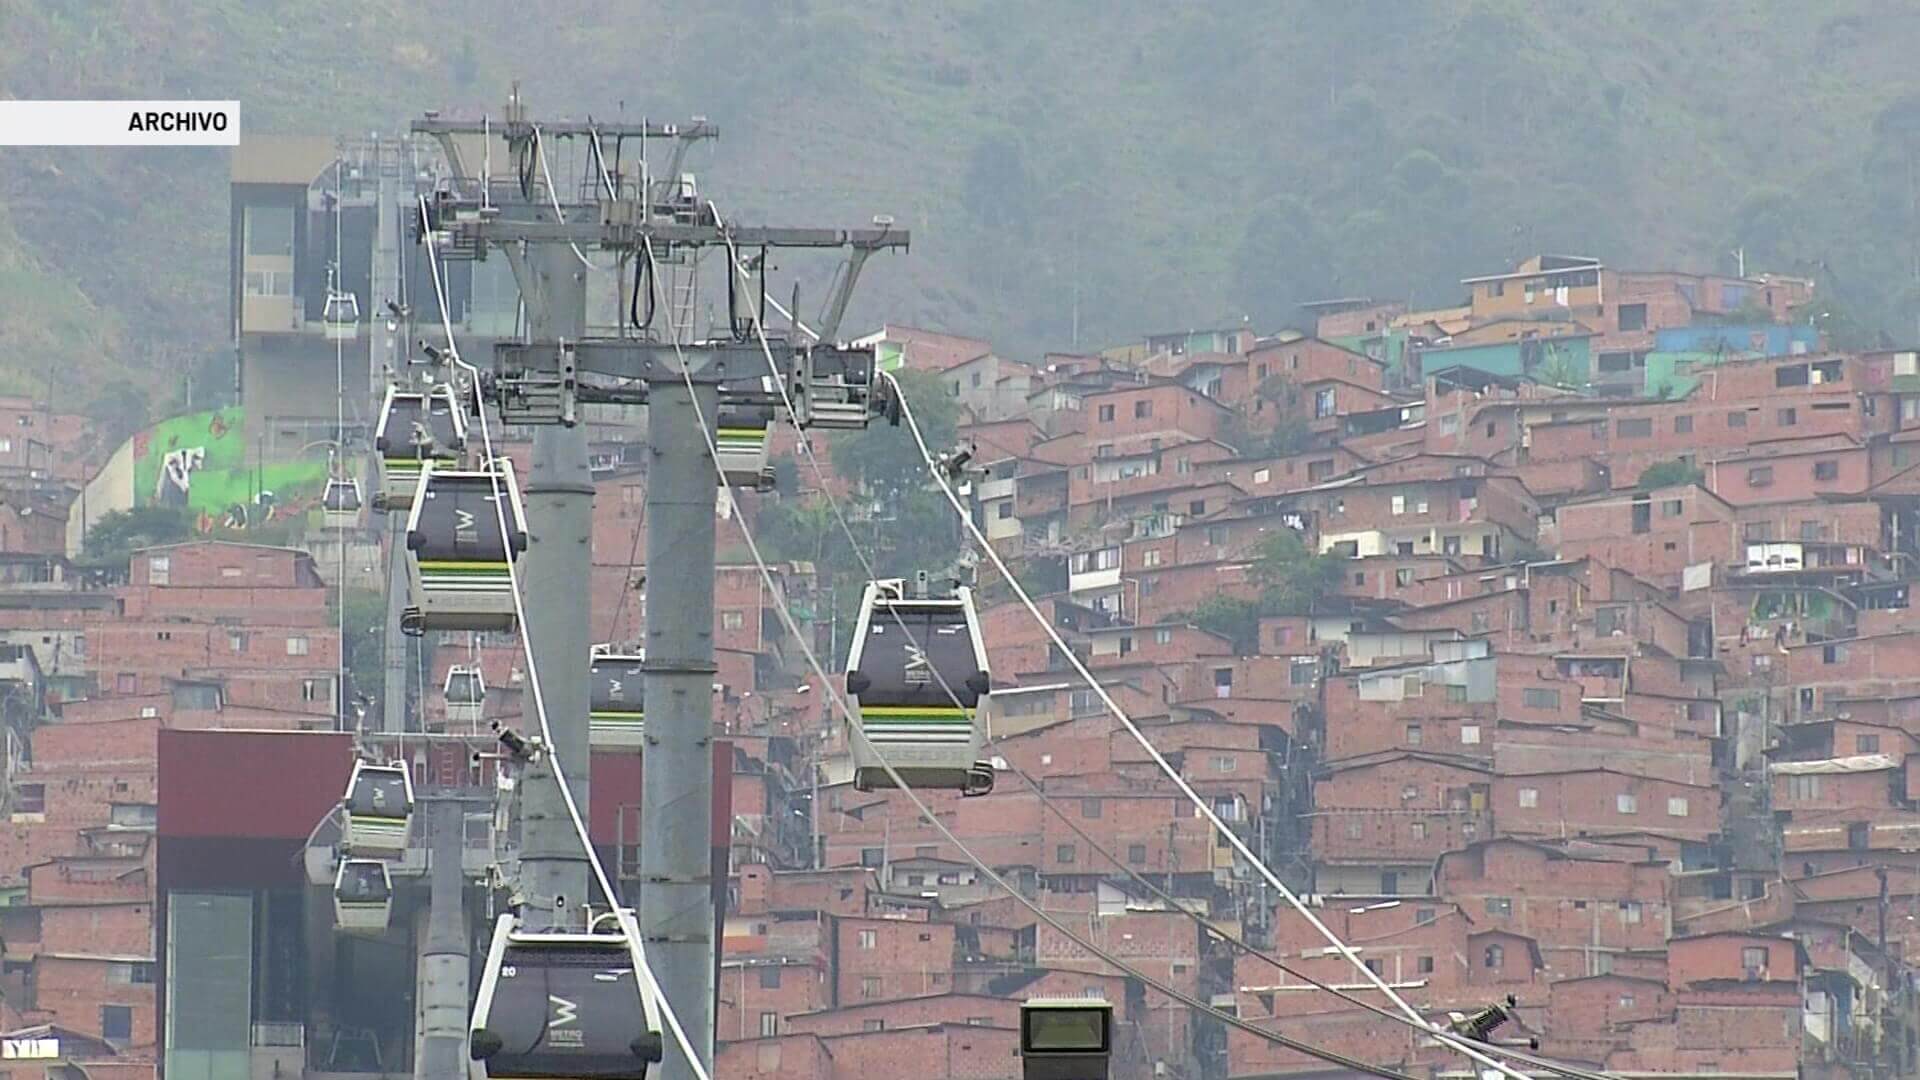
202 462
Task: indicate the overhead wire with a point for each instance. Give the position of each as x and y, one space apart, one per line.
1415 1021
1220 827
607 888
834 695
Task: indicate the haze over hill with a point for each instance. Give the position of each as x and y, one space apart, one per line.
1071 170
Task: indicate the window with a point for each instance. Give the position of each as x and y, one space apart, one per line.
1319 470
1142 410
1737 419
769 1025
1787 417
1399 505
236 641
1754 958
1833 654
137 973
1638 428
1324 404
1529 796
158 567
976 379
1090 808
1499 905
116 1023
1456 694
769 978
1217 535
1064 854
870 986
1403 576
1137 854
1449 424
1163 636
1866 744
1261 476
1760 476
1151 557
1419 830
1222 682
1469 734
1826 470
1534 697
1633 317
1106 414
30 799
872 857
1004 510
1373 966
1225 763
869 939
1626 803
1413 734
298 646
270 231
1803 787
1496 956
1422 916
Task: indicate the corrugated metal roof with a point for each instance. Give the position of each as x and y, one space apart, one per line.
1858 763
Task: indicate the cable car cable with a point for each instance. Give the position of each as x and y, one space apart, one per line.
813 661
1420 1025
1206 811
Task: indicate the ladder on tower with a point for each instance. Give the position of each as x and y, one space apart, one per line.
686 281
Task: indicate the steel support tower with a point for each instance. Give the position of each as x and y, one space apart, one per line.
541 382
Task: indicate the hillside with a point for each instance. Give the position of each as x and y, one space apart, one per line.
1102 167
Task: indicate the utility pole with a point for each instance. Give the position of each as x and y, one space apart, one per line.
541 383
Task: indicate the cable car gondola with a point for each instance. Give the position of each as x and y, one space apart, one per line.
341 502
565 1006
379 804
617 702
415 427
341 316
904 684
459 566
362 895
1066 1038
466 695
741 439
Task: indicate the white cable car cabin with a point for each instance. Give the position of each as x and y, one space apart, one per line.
341 316
459 566
379 805
416 427
740 437
597 979
916 677
465 692
341 502
616 708
362 895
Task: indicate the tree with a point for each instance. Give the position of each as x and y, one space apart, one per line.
1670 473
883 460
1232 618
112 540
1291 576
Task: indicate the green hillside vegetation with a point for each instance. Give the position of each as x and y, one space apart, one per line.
1110 168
